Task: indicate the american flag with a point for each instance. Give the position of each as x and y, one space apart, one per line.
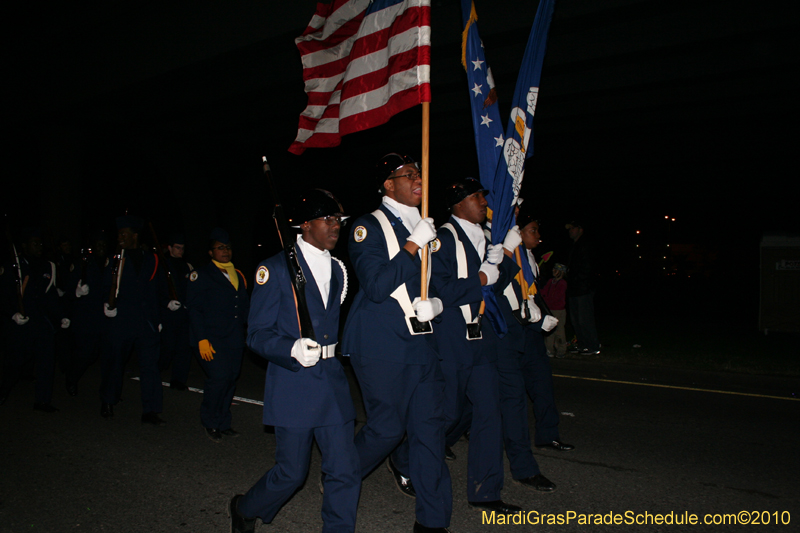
363 62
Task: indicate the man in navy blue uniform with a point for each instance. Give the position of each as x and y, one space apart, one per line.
464 263
30 335
175 347
134 324
536 369
522 315
89 324
306 394
394 356
218 306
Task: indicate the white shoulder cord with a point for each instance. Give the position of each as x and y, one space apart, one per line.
344 279
52 276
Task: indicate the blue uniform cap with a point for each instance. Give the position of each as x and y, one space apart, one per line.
176 238
460 189
220 235
130 221
526 215
389 163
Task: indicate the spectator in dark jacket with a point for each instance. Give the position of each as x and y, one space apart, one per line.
580 291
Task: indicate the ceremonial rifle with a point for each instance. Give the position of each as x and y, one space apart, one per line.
86 253
17 269
173 294
112 297
295 270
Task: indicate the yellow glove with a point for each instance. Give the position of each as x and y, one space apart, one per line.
206 350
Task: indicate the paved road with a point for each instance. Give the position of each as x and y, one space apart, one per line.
640 449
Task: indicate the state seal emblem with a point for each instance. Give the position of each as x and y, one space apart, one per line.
262 275
360 233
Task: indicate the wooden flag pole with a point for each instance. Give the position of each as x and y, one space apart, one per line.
424 206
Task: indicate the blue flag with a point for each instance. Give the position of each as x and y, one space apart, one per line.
502 158
486 122
518 142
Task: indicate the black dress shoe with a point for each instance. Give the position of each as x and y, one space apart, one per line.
106 410
153 419
448 453
403 483
214 434
44 408
497 505
538 482
177 385
230 432
72 388
419 528
240 524
557 445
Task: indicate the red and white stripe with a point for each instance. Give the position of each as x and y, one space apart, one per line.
361 68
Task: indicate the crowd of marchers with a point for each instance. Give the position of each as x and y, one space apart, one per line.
456 353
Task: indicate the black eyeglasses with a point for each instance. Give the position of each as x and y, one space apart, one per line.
222 247
332 220
413 176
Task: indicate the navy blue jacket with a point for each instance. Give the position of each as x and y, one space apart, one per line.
137 300
40 298
455 291
180 271
296 396
376 327
87 311
217 311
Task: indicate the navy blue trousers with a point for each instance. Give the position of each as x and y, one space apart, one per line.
478 386
175 348
144 340
407 400
538 376
220 386
514 408
340 467
33 340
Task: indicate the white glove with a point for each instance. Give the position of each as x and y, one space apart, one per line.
174 305
549 323
427 310
110 313
513 239
19 319
491 271
306 351
65 322
424 232
60 292
536 313
160 327
494 254
81 290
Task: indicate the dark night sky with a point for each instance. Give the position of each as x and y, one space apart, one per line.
687 109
